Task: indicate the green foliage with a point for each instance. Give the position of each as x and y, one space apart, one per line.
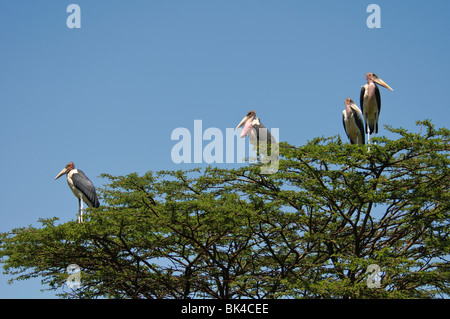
309 230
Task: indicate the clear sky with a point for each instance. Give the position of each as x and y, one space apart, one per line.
108 95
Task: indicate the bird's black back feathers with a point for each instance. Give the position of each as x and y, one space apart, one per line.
81 182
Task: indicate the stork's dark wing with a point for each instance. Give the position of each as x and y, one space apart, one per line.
263 134
360 124
345 127
378 97
361 97
81 182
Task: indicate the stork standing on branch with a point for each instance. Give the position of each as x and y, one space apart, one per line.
258 134
370 102
81 187
353 122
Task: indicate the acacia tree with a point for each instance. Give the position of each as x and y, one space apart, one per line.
309 230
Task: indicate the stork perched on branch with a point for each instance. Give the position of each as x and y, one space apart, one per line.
353 122
370 102
81 187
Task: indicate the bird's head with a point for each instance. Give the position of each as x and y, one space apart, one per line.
247 120
372 77
349 102
65 170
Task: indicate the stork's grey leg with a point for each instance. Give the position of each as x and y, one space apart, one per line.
80 212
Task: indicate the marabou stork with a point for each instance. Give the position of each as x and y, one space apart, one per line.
370 102
255 129
81 187
353 122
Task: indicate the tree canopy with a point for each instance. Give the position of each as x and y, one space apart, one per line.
309 230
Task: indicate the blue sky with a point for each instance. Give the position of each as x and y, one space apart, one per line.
107 96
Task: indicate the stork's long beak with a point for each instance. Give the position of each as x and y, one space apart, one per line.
355 107
247 120
382 83
244 120
64 171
